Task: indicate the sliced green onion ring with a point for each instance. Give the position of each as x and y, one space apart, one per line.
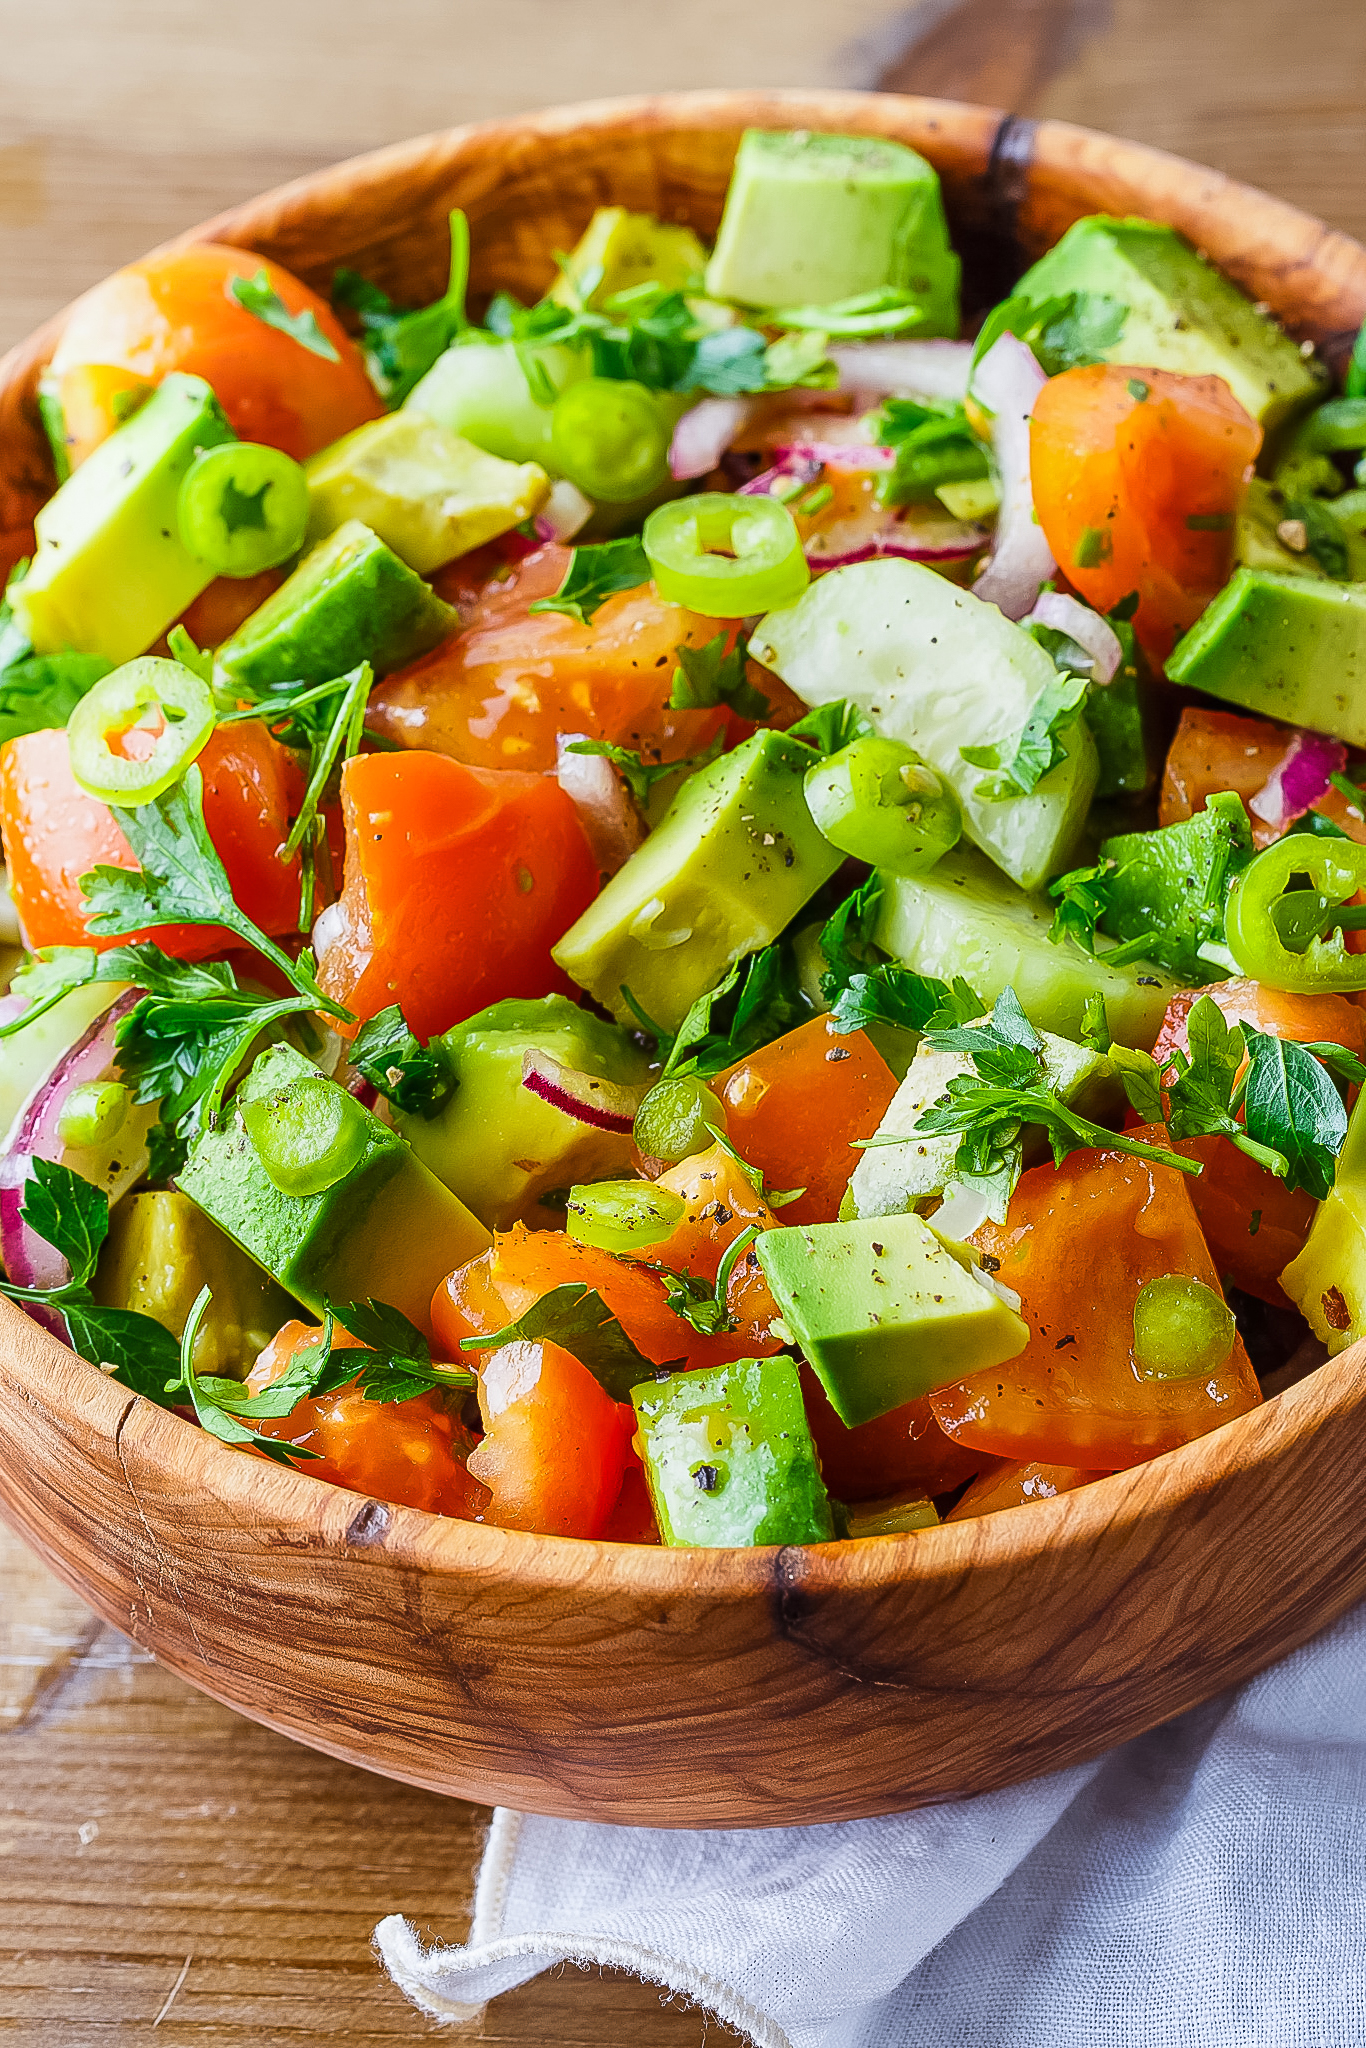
725 555
243 508
138 730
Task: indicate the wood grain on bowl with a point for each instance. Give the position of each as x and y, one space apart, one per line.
700 1688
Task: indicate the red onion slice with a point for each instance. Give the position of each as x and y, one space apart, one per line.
858 456
28 1259
609 818
1300 779
913 533
1008 380
704 433
1094 634
603 1105
565 512
925 369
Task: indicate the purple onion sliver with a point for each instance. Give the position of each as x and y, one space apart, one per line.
933 369
1009 380
1094 634
552 1083
703 435
1300 779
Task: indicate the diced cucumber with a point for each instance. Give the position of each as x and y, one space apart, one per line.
966 918
937 667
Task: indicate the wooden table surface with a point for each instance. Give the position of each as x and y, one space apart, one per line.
164 1864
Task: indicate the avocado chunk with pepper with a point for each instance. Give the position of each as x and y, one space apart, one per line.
350 600
1290 647
429 494
1171 309
502 1141
733 860
811 219
161 1249
729 1459
324 1196
883 1312
111 572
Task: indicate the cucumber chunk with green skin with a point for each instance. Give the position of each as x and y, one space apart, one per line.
965 918
729 1459
499 1146
428 493
935 666
110 572
480 389
812 218
1327 1281
1288 647
735 857
882 1312
350 600
1179 313
1174 882
386 1227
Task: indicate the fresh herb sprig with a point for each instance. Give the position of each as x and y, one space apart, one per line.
1063 332
702 1303
864 987
708 676
258 296
578 1318
418 1079
1083 898
400 344
596 573
1025 757
640 775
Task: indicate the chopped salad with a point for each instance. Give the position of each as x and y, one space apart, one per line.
727 909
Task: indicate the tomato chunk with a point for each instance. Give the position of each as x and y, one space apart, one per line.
410 1452
903 1452
555 1446
497 693
1138 475
458 882
794 1109
54 833
176 311
1014 1486
1079 1243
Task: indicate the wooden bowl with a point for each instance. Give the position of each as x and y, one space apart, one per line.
694 1688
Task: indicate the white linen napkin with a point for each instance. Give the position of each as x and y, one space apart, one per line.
1202 1887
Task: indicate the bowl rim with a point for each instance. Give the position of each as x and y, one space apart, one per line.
270 1493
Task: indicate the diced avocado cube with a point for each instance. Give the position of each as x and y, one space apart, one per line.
385 1227
882 1312
1285 646
1327 1281
111 572
429 494
941 669
1173 882
813 218
350 600
964 917
500 1147
161 1249
891 1179
733 861
1179 313
479 388
729 1459
619 250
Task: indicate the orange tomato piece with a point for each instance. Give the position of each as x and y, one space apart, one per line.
1079 1242
720 1204
175 310
1307 1019
903 1452
632 1520
458 882
1216 750
54 833
794 1109
496 694
1014 1486
1138 476
409 1452
555 1445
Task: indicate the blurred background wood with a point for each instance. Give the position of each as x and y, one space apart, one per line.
152 1842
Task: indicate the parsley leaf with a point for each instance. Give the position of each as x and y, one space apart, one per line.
831 727
767 1002
1292 1106
42 690
400 345
596 573
1036 749
577 1318
934 445
135 1349
417 1079
257 296
1074 328
864 987
1083 898
68 1213
707 676
702 1303
639 775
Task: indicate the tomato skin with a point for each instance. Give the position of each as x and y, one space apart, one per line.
54 833
794 1108
408 1452
1134 471
496 694
174 311
902 1452
555 1446
1015 1486
1078 1243
458 883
